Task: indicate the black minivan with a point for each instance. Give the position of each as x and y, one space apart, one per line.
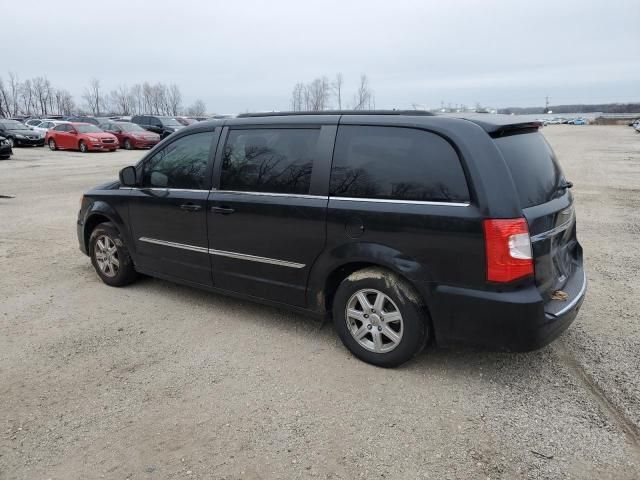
405 228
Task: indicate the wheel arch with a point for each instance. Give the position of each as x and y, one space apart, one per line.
334 266
101 212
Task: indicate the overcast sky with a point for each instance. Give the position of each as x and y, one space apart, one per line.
247 55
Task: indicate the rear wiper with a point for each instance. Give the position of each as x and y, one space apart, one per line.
564 185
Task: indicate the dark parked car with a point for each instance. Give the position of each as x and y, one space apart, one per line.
404 228
19 135
82 119
163 126
5 149
131 135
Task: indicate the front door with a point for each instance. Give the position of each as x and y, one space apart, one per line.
267 218
168 209
67 137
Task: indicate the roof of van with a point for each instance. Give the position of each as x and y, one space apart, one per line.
494 124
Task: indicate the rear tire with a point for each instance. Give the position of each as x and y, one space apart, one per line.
83 147
380 317
52 144
110 257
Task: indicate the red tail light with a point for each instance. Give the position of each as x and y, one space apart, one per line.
508 247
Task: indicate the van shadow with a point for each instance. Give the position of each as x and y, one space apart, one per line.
459 359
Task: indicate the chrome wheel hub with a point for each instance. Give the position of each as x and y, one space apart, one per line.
106 254
374 321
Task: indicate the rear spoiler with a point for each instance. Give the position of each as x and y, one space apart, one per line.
501 125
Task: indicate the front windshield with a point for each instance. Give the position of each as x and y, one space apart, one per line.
87 129
131 127
171 122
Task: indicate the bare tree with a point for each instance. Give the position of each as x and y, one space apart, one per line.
66 105
26 96
318 94
138 98
197 109
93 96
297 97
336 87
14 92
363 96
174 100
41 92
147 96
5 104
313 96
121 100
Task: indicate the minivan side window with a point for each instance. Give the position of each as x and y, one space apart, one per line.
277 160
396 163
181 164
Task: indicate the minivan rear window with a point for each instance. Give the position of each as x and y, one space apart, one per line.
396 163
533 165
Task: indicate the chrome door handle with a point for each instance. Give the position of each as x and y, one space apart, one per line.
222 210
190 207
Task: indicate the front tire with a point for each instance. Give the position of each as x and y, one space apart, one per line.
127 144
110 257
12 142
52 144
83 147
380 318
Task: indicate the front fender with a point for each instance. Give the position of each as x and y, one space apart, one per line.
364 253
95 214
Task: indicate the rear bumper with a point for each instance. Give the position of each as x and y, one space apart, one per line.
514 321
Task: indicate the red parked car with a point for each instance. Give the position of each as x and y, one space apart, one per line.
131 135
80 136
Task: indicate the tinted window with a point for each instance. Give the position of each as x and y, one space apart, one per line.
64 127
396 163
169 122
533 167
269 160
86 128
181 164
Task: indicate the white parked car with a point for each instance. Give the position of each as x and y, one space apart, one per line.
45 125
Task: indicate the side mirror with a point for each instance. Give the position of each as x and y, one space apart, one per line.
128 177
73 132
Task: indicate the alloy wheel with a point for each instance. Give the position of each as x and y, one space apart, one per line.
106 254
374 321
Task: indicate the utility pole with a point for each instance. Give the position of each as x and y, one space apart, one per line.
546 104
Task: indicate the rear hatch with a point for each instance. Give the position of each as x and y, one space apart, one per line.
547 205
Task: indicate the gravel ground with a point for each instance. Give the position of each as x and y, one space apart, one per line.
162 381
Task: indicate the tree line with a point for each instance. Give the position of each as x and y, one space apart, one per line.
578 108
324 94
37 96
